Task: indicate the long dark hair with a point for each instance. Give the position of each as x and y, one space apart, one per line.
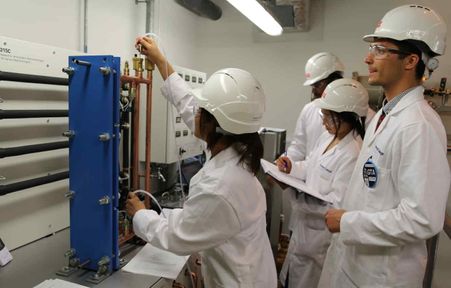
248 145
357 123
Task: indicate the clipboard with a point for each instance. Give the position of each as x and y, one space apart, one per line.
299 184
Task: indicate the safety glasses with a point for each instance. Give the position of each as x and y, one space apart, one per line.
380 51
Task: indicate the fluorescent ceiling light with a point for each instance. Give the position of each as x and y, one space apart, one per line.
255 12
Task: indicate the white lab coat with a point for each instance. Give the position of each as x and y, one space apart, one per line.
382 239
328 173
223 217
309 127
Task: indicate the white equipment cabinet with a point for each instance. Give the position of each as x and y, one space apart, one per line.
171 139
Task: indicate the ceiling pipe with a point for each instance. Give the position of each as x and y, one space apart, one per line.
203 8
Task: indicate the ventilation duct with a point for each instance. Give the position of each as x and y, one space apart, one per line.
203 8
292 15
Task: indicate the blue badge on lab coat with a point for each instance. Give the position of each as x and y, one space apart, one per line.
370 173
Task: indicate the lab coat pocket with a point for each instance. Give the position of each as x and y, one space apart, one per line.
378 197
371 265
325 173
315 222
313 212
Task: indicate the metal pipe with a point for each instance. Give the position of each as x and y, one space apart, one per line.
21 150
83 63
12 114
149 14
9 188
149 68
125 141
29 78
138 68
136 80
85 26
135 139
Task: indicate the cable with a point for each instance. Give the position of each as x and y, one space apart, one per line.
152 197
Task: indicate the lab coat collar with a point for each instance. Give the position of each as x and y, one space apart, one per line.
225 157
343 142
410 98
222 158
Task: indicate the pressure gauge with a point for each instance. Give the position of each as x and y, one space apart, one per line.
432 64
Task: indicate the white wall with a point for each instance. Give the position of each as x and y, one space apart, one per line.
337 26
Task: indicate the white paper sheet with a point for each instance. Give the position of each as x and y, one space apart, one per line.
58 283
156 262
290 180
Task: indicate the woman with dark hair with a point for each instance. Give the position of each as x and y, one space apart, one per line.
327 170
223 217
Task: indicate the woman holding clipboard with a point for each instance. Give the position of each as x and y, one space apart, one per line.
344 105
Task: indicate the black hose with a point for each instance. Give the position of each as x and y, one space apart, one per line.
21 150
29 78
13 114
9 188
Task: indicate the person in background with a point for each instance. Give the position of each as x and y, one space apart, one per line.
223 217
320 70
344 106
397 195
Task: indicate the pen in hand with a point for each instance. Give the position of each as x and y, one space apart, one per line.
284 163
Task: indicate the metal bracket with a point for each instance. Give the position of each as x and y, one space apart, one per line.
102 271
72 266
104 137
105 70
105 200
68 70
69 133
70 194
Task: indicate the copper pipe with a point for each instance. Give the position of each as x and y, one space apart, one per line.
137 67
149 69
136 80
135 138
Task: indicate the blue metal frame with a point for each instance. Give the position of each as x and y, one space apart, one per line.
93 163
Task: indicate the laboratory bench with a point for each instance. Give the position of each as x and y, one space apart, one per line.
40 260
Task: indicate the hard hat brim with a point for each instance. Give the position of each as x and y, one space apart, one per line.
321 104
372 37
309 82
369 37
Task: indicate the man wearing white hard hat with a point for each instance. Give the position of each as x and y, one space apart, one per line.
224 216
398 191
320 70
327 170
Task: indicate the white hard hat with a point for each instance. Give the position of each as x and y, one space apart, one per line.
320 66
345 95
235 98
413 22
